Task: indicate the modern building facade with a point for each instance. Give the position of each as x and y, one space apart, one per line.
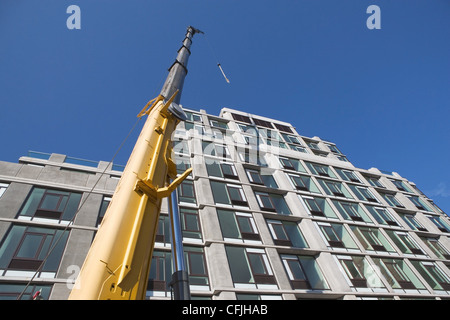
266 214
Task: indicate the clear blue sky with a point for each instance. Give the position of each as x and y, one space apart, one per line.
381 95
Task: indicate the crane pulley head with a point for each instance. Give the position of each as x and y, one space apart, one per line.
195 30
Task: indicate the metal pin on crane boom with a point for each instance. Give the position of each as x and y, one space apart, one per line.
118 262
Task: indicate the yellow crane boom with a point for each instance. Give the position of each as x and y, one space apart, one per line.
118 262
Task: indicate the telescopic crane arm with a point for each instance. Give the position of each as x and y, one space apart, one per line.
118 262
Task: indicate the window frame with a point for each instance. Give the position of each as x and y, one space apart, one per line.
320 170
363 194
405 243
47 254
220 166
384 218
347 175
3 188
399 277
276 226
334 188
244 236
333 239
242 202
33 207
182 196
306 181
372 239
273 207
412 222
438 223
305 281
392 200
326 210
418 203
258 280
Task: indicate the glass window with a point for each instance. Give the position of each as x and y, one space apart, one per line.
26 248
320 170
221 169
375 182
304 183
412 222
215 150
405 242
398 274
182 163
372 239
313 145
342 158
245 296
57 205
391 200
347 175
252 156
286 233
160 273
12 291
432 274
436 247
298 148
163 232
272 202
382 215
238 226
333 148
359 272
194 128
105 203
193 116
226 193
351 211
440 224
318 207
218 124
180 146
3 187
270 134
292 164
439 210
304 272
276 143
249 267
190 223
337 236
186 192
334 188
363 193
196 266
419 203
290 138
253 141
401 186
254 176
248 129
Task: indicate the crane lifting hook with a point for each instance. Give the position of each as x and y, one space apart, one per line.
223 73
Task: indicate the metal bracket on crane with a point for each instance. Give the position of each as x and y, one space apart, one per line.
157 193
152 103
